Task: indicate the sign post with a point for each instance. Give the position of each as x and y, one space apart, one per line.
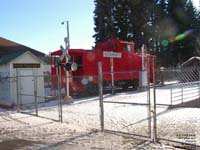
112 75
66 55
112 55
143 74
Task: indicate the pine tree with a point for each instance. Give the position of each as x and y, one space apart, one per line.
178 19
186 19
193 25
133 17
163 22
197 46
102 19
121 20
160 31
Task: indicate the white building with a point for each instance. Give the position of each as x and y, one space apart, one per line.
21 74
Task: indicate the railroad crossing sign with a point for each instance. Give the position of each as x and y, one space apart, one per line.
112 54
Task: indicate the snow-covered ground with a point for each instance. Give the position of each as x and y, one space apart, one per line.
81 121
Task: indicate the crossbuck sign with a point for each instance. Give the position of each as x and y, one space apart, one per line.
112 54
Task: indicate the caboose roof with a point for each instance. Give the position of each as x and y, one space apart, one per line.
59 52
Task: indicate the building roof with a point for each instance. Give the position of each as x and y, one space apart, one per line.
9 47
5 42
7 58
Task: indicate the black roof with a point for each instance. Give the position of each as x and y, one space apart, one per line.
7 58
8 47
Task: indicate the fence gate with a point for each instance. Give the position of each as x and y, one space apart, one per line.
127 110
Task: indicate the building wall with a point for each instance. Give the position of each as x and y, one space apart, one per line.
37 76
5 86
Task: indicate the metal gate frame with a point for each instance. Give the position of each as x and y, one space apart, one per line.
35 95
152 133
152 111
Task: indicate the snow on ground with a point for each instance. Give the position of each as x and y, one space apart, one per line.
81 121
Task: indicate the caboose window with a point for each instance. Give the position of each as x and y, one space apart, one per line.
79 61
127 47
71 59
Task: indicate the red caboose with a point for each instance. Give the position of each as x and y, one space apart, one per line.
123 59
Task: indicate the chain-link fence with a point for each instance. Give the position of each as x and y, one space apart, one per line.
6 80
46 95
178 74
180 84
122 102
34 95
177 102
127 107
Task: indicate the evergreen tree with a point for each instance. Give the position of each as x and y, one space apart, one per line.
192 27
178 18
185 16
132 17
123 19
163 23
102 19
160 31
198 32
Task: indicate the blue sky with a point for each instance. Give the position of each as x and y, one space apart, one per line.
37 23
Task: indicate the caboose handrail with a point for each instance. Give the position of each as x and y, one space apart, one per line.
125 71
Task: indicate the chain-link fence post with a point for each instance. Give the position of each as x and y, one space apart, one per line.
17 90
100 80
171 94
60 93
60 99
154 104
182 93
162 78
35 95
149 97
199 80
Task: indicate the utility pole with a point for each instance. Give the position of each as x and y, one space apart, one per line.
66 55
